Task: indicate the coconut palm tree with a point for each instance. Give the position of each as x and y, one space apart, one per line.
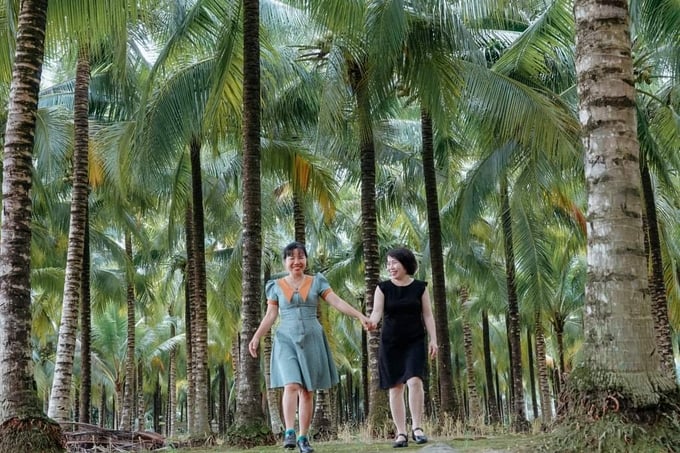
83 29
610 356
18 399
249 413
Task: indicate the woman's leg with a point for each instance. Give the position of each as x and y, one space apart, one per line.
306 398
289 403
398 408
416 401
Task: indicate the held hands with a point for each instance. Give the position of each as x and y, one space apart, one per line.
367 324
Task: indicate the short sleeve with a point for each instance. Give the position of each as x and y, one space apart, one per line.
323 286
271 293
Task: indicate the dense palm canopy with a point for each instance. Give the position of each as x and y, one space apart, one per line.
373 115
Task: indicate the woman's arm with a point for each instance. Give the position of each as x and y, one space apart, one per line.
428 318
378 306
266 324
339 304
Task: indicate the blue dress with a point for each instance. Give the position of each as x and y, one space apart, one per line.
300 350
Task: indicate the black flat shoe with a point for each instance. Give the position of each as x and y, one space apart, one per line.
402 441
422 439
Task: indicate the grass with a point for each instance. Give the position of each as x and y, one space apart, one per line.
353 442
508 443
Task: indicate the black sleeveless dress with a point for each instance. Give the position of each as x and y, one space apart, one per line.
402 353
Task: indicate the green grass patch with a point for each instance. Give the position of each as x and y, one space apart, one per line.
501 443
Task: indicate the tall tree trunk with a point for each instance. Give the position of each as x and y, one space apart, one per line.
85 333
274 395
493 416
378 409
201 424
299 221
532 375
619 360
141 402
60 396
657 286
222 400
18 398
447 393
249 411
189 302
170 421
543 384
127 411
475 409
558 327
519 421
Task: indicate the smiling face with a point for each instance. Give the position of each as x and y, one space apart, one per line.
395 269
296 261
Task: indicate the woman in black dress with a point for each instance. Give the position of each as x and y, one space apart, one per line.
408 322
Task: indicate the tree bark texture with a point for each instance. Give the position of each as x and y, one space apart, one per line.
248 404
201 424
617 299
519 421
474 406
377 399
60 397
127 411
21 418
657 286
85 333
493 415
447 393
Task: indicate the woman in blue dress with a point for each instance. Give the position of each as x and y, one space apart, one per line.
301 360
403 304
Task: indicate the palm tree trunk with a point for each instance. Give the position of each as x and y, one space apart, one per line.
130 362
201 424
532 375
558 327
493 416
274 395
249 411
299 221
18 398
519 421
447 393
474 405
172 379
190 301
619 349
543 384
657 286
60 396
377 399
85 333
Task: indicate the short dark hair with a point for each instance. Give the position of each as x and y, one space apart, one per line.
288 251
406 258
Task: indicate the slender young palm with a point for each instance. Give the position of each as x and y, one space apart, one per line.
60 399
85 31
20 411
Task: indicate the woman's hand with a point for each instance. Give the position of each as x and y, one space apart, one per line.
366 323
433 348
253 346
